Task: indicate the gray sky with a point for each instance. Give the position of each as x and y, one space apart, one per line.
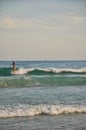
42 29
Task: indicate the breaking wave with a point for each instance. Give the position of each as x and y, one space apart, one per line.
33 110
41 71
31 77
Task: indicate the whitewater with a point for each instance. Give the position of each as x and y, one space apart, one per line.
30 110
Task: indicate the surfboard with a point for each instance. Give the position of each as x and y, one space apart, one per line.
20 71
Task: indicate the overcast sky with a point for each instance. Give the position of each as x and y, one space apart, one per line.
42 29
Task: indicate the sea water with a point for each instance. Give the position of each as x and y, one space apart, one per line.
43 95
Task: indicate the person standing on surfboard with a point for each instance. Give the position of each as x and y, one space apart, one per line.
14 66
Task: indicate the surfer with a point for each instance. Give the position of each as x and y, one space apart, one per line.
14 66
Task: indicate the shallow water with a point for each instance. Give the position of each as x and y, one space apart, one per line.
60 122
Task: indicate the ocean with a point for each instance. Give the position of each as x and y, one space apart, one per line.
43 95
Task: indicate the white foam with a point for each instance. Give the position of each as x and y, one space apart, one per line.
33 110
57 70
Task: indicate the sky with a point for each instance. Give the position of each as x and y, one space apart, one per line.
42 29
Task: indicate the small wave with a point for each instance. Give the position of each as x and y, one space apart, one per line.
29 110
41 71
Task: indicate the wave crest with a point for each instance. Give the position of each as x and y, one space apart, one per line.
49 71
